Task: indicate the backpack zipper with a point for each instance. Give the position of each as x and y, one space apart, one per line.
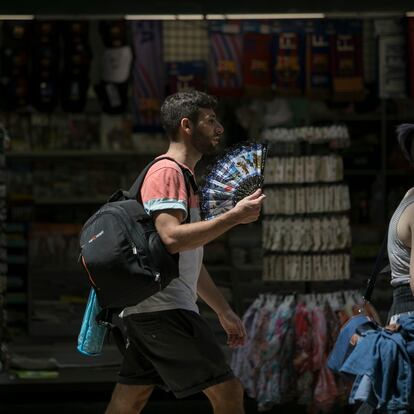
88 272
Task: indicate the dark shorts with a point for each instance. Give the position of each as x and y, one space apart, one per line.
175 350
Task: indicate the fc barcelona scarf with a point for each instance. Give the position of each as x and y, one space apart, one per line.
257 56
225 67
347 67
288 58
186 75
318 67
148 74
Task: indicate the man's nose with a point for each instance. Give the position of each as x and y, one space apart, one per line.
219 129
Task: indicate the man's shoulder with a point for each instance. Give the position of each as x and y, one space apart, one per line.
164 164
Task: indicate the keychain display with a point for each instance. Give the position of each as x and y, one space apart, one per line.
307 199
335 135
305 169
306 233
292 268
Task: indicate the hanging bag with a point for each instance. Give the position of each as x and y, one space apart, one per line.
366 319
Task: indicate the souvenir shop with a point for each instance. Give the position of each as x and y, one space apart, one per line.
323 87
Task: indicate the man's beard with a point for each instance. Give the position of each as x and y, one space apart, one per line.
202 143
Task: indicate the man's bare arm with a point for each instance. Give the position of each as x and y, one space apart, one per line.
231 323
179 237
210 293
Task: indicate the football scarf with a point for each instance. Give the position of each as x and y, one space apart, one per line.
225 68
346 61
148 74
257 74
318 67
186 75
288 53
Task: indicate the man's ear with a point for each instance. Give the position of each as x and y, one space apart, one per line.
187 126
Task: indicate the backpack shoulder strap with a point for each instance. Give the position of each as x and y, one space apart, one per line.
376 270
135 190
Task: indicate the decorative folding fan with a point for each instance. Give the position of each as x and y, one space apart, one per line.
234 176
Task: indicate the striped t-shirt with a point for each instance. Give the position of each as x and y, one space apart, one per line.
164 189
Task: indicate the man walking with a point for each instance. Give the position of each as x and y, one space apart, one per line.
169 344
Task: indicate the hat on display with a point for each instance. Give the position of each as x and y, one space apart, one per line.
405 136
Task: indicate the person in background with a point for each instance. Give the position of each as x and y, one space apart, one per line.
401 239
169 344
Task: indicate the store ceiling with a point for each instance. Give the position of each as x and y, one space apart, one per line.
121 7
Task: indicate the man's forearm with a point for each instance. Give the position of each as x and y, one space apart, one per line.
210 293
192 235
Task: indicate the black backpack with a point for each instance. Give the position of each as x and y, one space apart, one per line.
121 251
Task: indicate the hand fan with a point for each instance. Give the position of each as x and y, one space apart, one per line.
235 175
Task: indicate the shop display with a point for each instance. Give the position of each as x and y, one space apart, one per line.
289 340
66 164
238 174
306 232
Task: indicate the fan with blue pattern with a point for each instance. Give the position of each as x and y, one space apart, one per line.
234 176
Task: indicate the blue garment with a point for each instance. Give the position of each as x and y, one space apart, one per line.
91 336
341 350
382 356
406 322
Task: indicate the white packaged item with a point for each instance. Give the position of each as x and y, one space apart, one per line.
299 168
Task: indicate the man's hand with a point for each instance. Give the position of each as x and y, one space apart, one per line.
248 209
236 333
